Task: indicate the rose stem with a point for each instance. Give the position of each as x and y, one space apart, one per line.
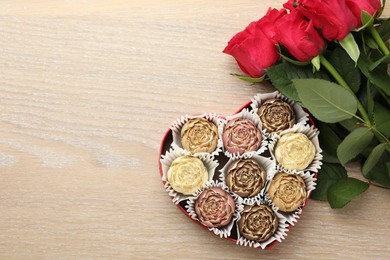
342 82
379 40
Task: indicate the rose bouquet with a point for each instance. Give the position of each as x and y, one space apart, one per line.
330 56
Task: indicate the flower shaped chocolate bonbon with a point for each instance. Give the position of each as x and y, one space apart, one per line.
199 135
287 191
294 151
276 115
241 135
258 222
187 174
245 177
242 194
215 207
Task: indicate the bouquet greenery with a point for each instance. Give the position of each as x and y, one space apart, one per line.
330 56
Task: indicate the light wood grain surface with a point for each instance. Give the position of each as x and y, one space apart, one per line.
87 91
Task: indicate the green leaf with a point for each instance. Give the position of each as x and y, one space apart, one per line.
381 171
384 30
385 97
350 46
378 76
354 143
344 190
388 169
280 78
382 119
367 151
328 174
350 124
282 74
328 138
366 96
326 101
373 159
370 42
248 78
346 68
316 62
295 62
370 100
328 158
367 20
384 59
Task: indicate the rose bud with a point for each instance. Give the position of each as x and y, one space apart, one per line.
299 36
187 174
240 136
253 51
215 207
294 151
276 115
258 222
287 191
332 17
245 177
199 135
357 6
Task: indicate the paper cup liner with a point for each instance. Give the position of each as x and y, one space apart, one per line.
279 234
224 231
312 134
300 115
245 114
177 125
268 165
310 183
166 161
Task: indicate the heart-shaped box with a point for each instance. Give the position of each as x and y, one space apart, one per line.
218 161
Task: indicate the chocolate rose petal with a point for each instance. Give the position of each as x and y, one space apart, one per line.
199 135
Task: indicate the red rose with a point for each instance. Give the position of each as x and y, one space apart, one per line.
252 50
299 36
370 6
267 23
332 17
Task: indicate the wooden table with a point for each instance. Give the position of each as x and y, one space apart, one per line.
87 91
